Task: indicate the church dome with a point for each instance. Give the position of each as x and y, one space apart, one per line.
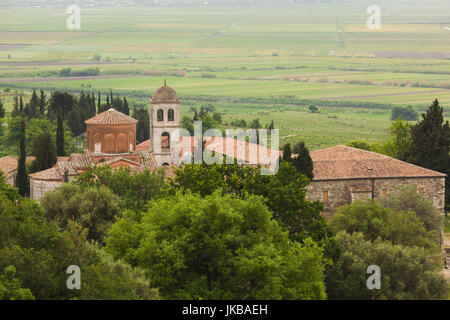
165 94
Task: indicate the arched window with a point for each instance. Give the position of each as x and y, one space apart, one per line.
165 140
160 115
171 115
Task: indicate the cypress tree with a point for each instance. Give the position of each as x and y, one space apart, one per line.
303 161
32 108
2 110
430 144
42 103
126 109
99 101
22 180
60 136
287 152
93 108
15 111
45 152
20 106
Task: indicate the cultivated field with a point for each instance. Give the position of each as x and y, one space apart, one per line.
251 62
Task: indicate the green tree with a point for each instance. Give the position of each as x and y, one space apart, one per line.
407 113
359 144
42 103
303 161
21 110
93 208
218 247
407 199
15 111
44 150
41 253
35 127
126 108
430 144
406 272
99 101
134 189
400 140
22 180
375 221
10 287
60 135
61 100
287 153
284 194
76 122
143 125
313 109
32 107
2 110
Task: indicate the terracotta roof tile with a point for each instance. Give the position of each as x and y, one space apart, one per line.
9 164
52 174
143 146
67 167
114 160
342 162
147 159
80 160
111 116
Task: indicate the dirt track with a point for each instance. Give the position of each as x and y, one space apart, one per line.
386 94
112 76
53 63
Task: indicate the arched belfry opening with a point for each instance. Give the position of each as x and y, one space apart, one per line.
165 140
170 115
160 115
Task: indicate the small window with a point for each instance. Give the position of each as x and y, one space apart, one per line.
421 191
160 115
383 192
170 115
325 197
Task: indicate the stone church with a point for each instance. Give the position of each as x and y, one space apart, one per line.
341 174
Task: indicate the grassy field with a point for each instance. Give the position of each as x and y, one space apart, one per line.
261 62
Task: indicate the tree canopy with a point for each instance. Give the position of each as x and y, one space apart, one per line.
41 253
217 247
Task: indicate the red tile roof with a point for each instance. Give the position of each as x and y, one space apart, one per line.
111 116
342 162
143 146
52 174
9 164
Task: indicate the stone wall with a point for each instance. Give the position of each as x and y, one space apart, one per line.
339 192
11 178
38 188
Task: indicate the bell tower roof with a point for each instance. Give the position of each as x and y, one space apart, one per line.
165 94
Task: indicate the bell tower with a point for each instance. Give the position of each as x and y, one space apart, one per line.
164 125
